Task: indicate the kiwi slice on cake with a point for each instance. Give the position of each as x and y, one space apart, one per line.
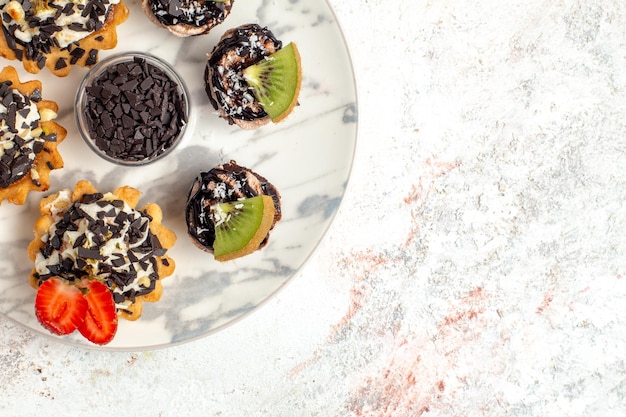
276 81
241 226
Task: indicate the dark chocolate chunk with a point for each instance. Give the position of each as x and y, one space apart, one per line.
92 58
60 64
81 263
38 147
87 253
118 298
55 242
90 198
118 262
41 61
76 54
54 269
24 113
80 240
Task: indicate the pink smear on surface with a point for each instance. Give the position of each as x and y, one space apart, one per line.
414 375
420 373
421 190
547 300
360 265
405 386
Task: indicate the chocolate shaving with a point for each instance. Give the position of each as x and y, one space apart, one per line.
60 64
89 253
92 58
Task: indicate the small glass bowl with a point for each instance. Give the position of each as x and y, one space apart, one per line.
88 120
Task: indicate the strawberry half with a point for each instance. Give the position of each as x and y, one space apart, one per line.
59 307
100 324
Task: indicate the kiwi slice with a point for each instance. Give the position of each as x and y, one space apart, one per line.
241 226
276 81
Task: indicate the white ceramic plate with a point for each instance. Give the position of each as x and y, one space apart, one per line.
308 158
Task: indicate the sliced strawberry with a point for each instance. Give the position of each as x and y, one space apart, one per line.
100 322
59 307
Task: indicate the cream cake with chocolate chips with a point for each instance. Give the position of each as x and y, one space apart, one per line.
58 34
85 234
28 138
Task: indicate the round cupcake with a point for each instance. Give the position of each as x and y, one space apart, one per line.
187 17
58 34
29 137
234 185
251 79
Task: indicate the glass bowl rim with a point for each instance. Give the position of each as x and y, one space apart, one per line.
96 70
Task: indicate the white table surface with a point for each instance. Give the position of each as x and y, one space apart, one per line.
477 264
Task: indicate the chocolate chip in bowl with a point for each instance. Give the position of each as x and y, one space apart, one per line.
132 108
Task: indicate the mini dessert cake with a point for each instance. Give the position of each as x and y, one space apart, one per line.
187 17
86 235
251 79
58 34
28 138
229 184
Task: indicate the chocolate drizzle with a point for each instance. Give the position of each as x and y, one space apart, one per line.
224 183
226 87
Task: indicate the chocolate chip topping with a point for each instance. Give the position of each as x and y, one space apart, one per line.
103 239
33 29
226 87
135 111
190 12
224 183
18 144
